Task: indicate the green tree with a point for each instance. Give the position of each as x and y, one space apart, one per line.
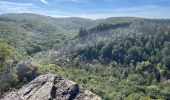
135 54
6 52
106 53
166 54
82 32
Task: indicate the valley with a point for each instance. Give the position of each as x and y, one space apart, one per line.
117 58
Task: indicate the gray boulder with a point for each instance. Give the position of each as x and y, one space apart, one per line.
51 87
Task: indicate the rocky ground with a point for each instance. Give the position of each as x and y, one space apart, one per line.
51 87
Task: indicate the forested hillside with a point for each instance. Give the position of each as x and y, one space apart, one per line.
121 58
31 33
126 61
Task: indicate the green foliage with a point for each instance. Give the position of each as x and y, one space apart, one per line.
107 26
134 96
118 82
166 54
128 67
127 49
6 53
8 80
82 32
126 58
106 53
30 33
33 49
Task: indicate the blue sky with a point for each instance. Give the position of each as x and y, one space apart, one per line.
93 9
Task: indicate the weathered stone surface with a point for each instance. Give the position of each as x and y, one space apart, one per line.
51 87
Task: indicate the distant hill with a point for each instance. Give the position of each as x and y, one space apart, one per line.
32 33
28 31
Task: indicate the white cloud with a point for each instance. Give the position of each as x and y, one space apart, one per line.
11 7
147 11
76 1
45 2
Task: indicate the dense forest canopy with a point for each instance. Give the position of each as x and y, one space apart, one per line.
116 58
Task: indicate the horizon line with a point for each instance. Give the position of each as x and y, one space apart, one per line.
87 17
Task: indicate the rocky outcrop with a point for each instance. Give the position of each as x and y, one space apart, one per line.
51 87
